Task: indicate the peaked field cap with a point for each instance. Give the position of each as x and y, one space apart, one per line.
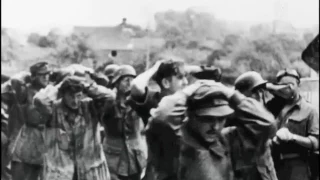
206 101
72 83
40 68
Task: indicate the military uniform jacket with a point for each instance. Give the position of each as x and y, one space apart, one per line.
125 144
163 147
240 151
26 140
74 145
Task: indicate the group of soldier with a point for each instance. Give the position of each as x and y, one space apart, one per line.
172 122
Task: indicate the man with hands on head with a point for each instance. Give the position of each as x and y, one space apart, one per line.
170 74
251 84
25 123
73 146
125 145
209 151
298 124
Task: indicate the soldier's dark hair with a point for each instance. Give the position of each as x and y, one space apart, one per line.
168 69
36 67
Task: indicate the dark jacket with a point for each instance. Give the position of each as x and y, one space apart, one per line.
244 146
125 145
26 143
291 160
163 145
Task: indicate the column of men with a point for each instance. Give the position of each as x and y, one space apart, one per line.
74 124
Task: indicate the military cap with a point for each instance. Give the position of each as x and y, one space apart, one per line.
100 79
58 75
40 68
206 101
249 81
111 69
209 73
72 84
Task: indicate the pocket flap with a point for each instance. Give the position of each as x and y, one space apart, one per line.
113 150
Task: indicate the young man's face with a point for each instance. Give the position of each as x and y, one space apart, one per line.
42 79
72 100
176 82
208 127
124 84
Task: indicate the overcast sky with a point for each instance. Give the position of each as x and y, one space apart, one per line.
38 15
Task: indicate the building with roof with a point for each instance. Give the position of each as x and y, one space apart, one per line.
124 38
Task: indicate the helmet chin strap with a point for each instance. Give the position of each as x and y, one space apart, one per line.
264 99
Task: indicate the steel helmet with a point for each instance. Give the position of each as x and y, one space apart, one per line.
124 70
110 70
248 81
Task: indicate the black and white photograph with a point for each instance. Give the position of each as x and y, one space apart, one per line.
160 89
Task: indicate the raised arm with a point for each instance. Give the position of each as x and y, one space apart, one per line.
96 92
140 83
254 122
172 109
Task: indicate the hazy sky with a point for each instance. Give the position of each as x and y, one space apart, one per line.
42 14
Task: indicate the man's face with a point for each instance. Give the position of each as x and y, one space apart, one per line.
42 79
293 82
124 84
72 100
208 127
177 82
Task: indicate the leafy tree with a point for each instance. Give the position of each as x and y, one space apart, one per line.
215 55
44 42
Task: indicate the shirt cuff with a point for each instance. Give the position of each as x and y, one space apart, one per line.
315 142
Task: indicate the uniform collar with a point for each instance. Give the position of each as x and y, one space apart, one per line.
299 103
217 148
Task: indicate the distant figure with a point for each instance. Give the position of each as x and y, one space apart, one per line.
112 57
